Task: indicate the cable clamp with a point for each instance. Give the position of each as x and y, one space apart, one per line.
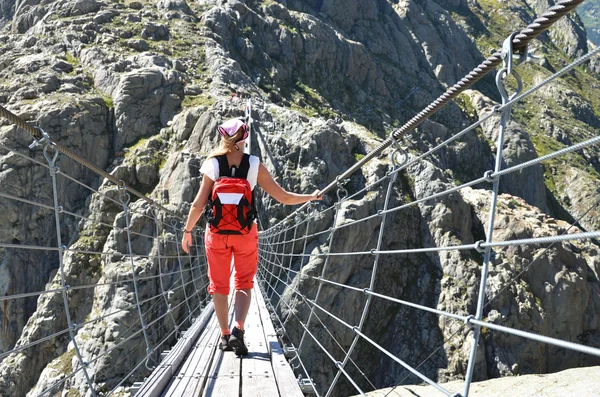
67 287
366 291
478 246
74 327
289 351
508 55
356 330
37 142
468 321
372 251
59 209
488 176
306 386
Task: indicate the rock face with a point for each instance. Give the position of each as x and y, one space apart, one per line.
138 89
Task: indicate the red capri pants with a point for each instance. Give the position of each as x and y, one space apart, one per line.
219 250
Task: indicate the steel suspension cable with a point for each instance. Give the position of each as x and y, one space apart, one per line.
324 269
160 278
336 363
57 210
62 174
181 272
76 326
363 317
125 198
504 72
39 136
355 329
307 301
282 327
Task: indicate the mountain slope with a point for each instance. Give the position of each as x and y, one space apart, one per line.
138 88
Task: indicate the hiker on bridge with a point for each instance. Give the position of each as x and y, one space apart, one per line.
229 178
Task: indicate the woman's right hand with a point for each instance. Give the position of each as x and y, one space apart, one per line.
316 195
186 241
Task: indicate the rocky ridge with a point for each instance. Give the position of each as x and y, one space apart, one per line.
138 88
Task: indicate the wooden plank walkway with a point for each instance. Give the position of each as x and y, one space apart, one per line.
264 372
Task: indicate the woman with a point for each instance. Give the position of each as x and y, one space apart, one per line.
243 247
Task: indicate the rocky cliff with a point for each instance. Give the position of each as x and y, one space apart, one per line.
138 88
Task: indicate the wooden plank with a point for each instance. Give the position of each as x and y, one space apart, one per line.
224 375
186 386
193 373
257 373
283 373
161 377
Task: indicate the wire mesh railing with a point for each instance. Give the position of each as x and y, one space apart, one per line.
181 279
168 289
278 251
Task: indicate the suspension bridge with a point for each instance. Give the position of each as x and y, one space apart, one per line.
169 321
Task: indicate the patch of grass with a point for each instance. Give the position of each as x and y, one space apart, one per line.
464 103
73 393
72 60
306 100
64 362
191 101
108 101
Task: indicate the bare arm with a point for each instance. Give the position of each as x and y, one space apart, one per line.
196 210
269 185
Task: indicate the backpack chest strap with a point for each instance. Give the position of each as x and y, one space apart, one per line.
240 172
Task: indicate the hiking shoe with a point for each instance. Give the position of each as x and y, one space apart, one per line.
236 341
224 344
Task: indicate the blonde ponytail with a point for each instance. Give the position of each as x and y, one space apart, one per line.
227 144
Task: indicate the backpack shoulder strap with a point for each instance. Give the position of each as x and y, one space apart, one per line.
224 169
242 171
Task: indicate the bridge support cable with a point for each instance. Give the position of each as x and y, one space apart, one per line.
305 242
200 290
323 325
51 158
273 254
160 274
341 193
187 303
57 334
77 216
307 332
360 334
292 249
125 199
276 256
365 311
488 177
505 72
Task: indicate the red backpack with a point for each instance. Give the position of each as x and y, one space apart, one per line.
230 208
